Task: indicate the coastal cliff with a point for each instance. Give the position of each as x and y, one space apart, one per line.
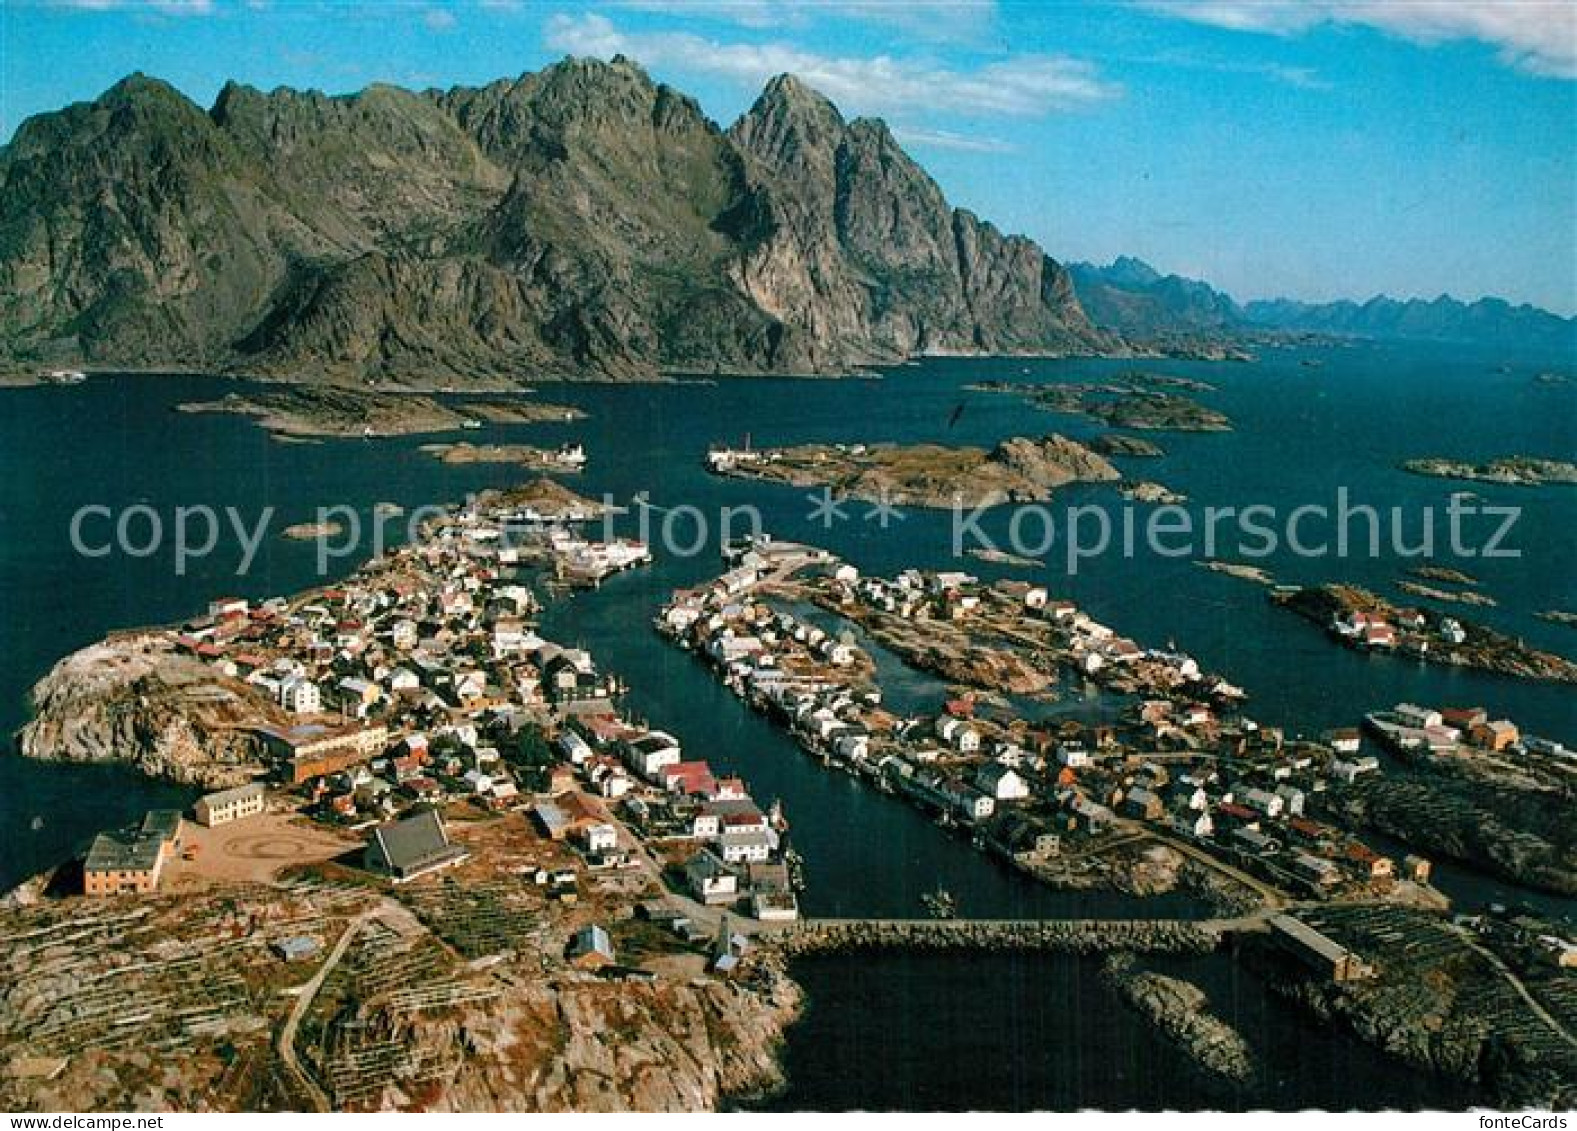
582 221
135 700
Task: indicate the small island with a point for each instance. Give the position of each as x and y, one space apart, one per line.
569 457
925 475
543 500
1144 491
1451 596
1443 573
1118 444
308 412
1137 403
1369 623
1519 471
312 531
1243 572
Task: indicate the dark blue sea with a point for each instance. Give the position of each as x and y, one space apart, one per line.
1008 1032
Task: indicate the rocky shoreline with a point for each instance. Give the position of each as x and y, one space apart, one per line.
1517 834
1181 1011
133 699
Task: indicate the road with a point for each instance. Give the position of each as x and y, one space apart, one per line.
1522 990
1273 897
304 999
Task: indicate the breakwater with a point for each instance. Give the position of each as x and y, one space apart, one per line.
1069 936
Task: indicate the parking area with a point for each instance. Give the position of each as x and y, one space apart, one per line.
254 849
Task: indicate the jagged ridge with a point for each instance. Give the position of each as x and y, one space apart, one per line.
580 221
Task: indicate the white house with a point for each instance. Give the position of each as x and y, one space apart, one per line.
974 805
404 679
1072 756
1349 771
711 881
1002 783
1293 798
300 696
958 734
751 846
573 747
651 752
601 838
1414 716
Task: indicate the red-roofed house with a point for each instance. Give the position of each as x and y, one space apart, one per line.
694 779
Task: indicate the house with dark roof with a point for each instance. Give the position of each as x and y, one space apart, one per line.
412 847
590 947
131 860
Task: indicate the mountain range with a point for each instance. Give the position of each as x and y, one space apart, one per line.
583 220
1131 298
580 221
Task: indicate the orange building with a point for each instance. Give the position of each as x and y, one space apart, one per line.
130 861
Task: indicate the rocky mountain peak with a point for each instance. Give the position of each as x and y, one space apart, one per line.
790 124
582 220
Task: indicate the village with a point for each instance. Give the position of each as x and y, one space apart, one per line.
436 788
417 694
1181 765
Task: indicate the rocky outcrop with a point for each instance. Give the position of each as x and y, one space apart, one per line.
1052 461
1520 471
583 1044
1181 1011
1118 444
134 700
581 221
1503 827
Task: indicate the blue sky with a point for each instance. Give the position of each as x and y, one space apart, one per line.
1312 148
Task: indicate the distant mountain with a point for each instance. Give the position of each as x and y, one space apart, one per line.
1131 297
581 221
1491 321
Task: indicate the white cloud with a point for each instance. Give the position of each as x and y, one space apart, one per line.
1020 86
934 20
1539 36
438 19
162 7
921 138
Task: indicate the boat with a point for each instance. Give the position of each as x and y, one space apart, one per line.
65 376
795 863
470 424
939 904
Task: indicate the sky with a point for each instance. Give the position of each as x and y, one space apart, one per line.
1312 149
